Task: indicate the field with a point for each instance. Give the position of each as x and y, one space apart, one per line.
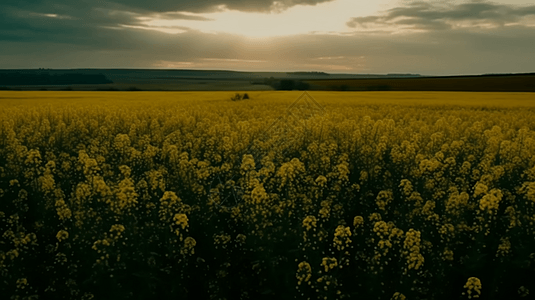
327 195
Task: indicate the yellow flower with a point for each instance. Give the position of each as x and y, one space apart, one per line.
342 236
383 199
222 239
248 164
480 189
398 296
325 210
473 285
181 220
411 247
117 228
240 239
406 187
62 235
309 222
63 210
504 248
358 221
126 196
22 283
304 272
491 201
381 229
189 244
523 291
329 263
447 255
375 217
321 181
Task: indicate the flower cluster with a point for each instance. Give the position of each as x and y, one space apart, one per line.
342 237
62 235
411 247
329 263
473 287
304 272
491 201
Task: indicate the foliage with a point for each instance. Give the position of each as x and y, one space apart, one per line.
239 96
289 84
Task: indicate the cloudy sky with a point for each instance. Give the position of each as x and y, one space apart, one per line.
437 37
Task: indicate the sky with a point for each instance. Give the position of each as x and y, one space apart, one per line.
436 37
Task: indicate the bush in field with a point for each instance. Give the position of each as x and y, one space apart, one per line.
238 97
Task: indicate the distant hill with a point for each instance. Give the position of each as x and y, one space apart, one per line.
44 78
309 73
222 80
402 75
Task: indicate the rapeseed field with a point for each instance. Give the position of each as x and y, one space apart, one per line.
189 195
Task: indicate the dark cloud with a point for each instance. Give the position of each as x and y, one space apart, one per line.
69 21
76 23
169 5
211 5
437 15
179 16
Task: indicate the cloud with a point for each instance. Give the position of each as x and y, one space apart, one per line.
91 34
505 49
235 60
163 6
179 16
69 21
441 16
214 5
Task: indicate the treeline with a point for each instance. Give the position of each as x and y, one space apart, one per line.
483 83
51 79
308 73
284 84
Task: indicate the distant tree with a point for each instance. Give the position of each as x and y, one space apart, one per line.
382 87
236 97
343 87
302 86
44 78
107 89
288 85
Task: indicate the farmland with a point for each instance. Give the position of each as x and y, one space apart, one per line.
484 83
327 195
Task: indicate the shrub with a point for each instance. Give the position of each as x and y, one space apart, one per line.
238 96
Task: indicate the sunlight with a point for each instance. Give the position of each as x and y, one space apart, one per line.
325 17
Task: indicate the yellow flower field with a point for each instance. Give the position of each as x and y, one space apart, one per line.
189 195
